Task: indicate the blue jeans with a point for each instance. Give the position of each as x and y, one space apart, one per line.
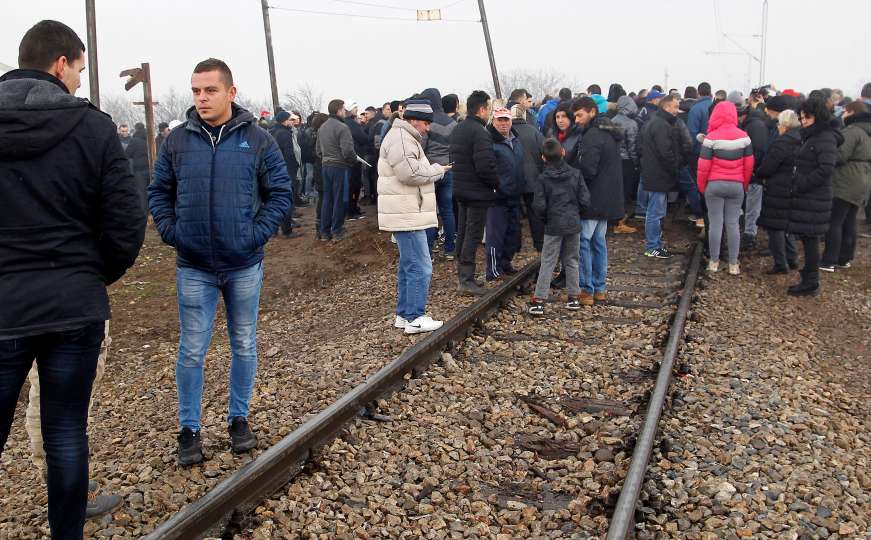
198 293
444 191
594 255
413 275
641 199
690 189
657 204
67 363
335 199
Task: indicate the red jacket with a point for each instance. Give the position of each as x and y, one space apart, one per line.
727 153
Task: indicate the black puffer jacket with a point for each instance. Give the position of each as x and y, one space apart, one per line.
602 169
775 173
661 150
810 202
532 140
71 219
560 197
475 176
757 129
137 153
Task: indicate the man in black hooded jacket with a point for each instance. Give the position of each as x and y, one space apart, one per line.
71 223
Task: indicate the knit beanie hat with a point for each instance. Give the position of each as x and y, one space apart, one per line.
418 109
282 116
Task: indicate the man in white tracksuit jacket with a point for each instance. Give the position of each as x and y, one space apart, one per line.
407 208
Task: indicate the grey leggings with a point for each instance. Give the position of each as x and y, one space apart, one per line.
724 200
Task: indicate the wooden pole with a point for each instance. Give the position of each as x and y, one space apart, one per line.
270 57
496 85
93 71
149 115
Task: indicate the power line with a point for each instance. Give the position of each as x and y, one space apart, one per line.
360 16
369 4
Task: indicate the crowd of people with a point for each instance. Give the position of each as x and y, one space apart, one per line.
443 173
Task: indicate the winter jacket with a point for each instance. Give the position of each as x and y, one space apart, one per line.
684 142
335 145
284 138
532 140
697 121
571 143
852 178
627 111
137 153
811 195
438 141
544 112
218 202
71 216
406 181
475 175
776 171
660 152
757 129
509 165
560 197
602 170
727 152
362 144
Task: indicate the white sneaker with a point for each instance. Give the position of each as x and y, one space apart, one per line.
400 322
734 269
713 266
424 323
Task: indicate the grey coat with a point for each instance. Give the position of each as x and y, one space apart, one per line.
335 144
627 110
532 139
852 177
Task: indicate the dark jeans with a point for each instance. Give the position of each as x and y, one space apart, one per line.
334 200
355 184
287 224
841 238
811 270
469 234
630 181
783 248
444 191
67 363
536 225
689 188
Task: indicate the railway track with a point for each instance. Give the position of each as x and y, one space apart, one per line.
563 438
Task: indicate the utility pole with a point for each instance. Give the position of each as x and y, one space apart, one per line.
270 57
143 75
93 72
496 85
764 40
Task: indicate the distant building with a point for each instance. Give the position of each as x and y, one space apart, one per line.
4 68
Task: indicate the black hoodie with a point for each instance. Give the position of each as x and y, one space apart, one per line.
602 168
71 220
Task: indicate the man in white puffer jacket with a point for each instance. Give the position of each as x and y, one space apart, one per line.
407 208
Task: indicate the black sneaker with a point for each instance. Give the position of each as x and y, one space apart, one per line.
241 437
827 267
190 447
659 253
536 308
573 304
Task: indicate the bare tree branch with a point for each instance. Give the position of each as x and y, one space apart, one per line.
121 109
304 99
539 83
172 106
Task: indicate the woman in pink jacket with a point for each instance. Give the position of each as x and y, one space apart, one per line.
725 168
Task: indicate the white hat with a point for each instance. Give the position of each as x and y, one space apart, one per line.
174 124
350 105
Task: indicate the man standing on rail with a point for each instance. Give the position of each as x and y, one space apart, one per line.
220 190
71 223
475 183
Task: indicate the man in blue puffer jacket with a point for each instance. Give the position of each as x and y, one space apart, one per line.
219 192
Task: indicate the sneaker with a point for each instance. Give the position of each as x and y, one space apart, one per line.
700 223
599 296
400 322
241 437
734 269
827 267
586 299
573 304
845 265
99 505
659 253
424 323
190 447
536 307
713 266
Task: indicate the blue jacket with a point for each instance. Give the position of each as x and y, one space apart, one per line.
697 122
545 110
510 167
219 203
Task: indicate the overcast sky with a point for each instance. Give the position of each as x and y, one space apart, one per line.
370 60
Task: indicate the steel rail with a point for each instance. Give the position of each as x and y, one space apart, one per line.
624 513
276 466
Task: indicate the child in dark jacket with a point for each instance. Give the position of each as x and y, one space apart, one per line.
560 197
